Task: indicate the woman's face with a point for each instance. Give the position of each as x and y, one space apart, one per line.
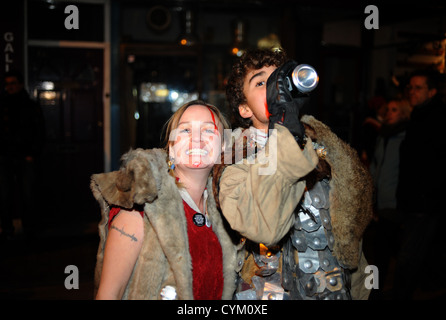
393 114
197 141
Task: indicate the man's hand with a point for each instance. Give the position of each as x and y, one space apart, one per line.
283 107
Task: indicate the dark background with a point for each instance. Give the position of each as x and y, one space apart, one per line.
101 104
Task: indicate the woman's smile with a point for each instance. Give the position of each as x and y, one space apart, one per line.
196 151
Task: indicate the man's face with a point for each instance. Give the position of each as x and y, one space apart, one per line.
254 89
12 85
419 92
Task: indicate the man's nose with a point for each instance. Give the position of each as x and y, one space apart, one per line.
412 90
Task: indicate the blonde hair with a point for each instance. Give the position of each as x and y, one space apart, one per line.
172 123
174 120
404 107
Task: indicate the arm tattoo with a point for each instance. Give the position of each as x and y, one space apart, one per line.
123 233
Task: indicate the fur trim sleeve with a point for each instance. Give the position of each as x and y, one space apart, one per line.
135 183
351 192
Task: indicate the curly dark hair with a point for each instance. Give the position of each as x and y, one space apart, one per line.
251 60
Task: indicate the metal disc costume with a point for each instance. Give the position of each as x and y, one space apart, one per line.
309 270
320 255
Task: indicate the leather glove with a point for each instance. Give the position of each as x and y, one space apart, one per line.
284 108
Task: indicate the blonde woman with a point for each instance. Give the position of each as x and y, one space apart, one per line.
161 234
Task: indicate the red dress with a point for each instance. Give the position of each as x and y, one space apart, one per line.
206 254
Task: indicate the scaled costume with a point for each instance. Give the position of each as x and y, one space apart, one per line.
165 259
311 251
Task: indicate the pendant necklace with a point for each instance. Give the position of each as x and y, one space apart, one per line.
200 219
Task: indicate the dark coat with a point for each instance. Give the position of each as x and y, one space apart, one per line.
22 127
420 185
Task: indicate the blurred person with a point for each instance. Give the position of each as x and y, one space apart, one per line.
370 128
22 136
420 184
384 169
161 234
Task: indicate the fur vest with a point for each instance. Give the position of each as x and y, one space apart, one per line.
164 260
351 192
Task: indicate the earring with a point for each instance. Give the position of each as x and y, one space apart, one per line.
170 163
